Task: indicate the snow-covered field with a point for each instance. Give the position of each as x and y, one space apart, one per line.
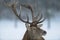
8 31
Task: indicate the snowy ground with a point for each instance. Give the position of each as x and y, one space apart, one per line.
8 31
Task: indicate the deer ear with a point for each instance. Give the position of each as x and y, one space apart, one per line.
27 26
40 25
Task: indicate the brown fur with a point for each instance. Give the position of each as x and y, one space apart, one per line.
26 37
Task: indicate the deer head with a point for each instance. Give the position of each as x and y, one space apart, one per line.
34 30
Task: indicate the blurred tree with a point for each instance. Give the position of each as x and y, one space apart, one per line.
49 14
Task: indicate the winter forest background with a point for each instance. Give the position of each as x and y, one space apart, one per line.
11 28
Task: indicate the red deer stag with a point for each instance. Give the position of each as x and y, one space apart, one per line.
34 32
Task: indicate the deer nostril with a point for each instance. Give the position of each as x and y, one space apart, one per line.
44 32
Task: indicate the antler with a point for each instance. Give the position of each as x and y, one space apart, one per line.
38 16
41 16
13 7
30 7
39 20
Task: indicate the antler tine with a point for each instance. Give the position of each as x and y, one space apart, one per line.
13 7
21 18
41 20
29 7
27 17
37 15
14 10
40 17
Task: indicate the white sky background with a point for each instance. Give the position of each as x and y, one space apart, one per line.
9 32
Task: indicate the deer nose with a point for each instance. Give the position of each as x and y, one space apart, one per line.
44 33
